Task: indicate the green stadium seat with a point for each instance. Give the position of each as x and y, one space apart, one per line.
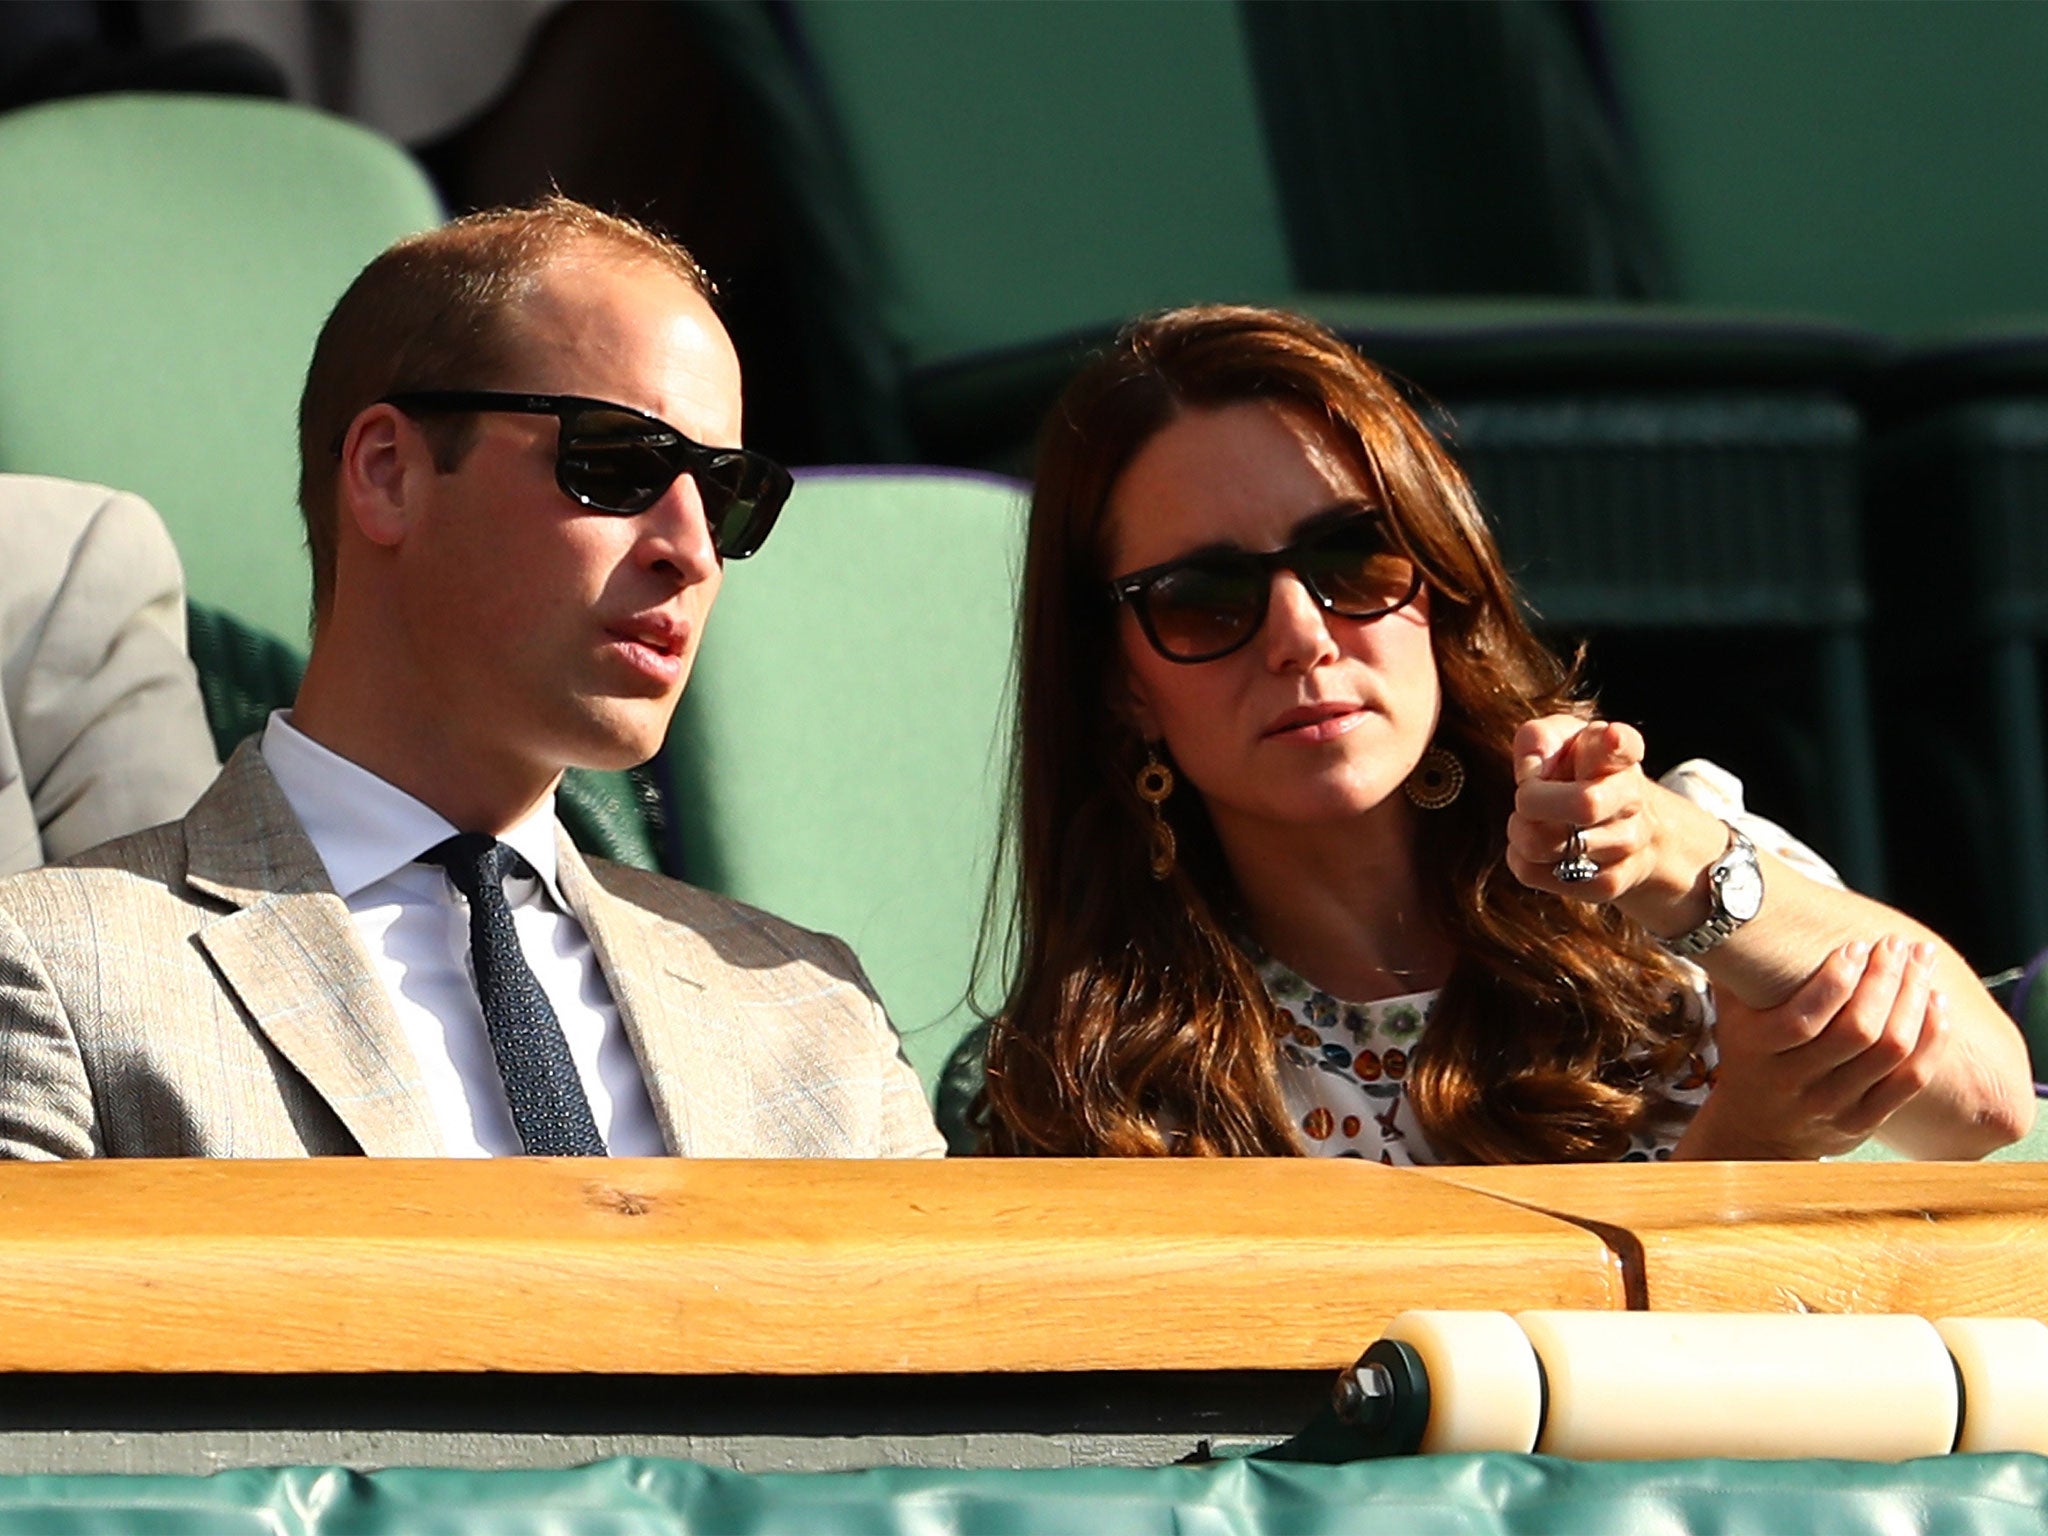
841 750
165 263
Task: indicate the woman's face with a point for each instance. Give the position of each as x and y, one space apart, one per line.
1318 718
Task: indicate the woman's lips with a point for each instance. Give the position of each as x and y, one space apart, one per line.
1315 722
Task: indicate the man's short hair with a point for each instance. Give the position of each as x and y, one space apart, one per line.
439 310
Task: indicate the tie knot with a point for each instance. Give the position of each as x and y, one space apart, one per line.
473 861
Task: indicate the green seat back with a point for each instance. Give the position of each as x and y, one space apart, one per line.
1029 168
243 674
841 748
1875 162
165 264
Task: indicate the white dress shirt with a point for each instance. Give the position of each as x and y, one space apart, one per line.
415 924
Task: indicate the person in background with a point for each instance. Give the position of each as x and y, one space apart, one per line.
1321 851
522 476
102 730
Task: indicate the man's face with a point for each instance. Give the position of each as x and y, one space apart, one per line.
550 634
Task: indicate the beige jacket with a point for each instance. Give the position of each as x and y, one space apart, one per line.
199 990
101 728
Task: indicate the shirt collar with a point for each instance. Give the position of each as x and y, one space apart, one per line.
365 828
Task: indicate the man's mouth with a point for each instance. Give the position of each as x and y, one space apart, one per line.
656 633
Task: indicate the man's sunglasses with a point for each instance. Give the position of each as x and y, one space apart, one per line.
611 458
1205 606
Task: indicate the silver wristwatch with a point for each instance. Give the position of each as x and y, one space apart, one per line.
1735 887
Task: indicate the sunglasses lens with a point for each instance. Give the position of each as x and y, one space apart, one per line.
1355 572
616 461
743 494
1203 610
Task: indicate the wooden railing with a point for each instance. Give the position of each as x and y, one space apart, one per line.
1938 1239
785 1268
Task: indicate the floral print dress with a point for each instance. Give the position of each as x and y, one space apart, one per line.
1344 1072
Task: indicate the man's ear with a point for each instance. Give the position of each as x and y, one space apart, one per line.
384 463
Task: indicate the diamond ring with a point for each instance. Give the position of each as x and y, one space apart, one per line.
1577 865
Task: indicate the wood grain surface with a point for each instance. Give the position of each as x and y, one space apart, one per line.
343 1264
1938 1239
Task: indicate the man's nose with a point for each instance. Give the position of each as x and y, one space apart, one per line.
1297 630
675 533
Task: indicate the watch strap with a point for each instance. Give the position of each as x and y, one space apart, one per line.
1720 923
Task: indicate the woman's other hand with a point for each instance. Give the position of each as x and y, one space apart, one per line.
1830 1029
1819 1073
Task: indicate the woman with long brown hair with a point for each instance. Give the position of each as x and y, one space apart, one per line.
1318 849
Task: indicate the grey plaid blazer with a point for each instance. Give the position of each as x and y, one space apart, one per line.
199 990
101 728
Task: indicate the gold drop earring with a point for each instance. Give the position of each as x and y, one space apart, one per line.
1155 783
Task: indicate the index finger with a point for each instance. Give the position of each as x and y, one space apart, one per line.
1606 747
1543 744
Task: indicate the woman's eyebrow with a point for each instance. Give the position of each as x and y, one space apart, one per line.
1311 523
1336 512
1209 551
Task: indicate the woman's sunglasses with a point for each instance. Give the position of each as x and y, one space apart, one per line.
1208 605
611 458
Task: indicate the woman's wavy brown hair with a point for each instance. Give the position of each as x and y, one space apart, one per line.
1134 1023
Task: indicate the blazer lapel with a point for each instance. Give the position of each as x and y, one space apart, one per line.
663 980
290 953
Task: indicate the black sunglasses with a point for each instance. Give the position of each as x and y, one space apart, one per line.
611 458
1207 605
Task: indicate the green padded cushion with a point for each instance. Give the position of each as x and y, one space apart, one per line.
244 674
1033 165
165 263
842 745
1490 1495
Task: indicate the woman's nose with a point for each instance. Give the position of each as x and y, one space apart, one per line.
1297 629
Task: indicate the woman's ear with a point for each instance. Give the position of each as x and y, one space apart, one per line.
1127 698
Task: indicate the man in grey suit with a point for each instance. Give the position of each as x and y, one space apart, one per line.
521 479
101 726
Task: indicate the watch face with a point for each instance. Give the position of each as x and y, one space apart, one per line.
1742 890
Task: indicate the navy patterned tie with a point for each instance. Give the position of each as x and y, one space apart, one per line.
548 1105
